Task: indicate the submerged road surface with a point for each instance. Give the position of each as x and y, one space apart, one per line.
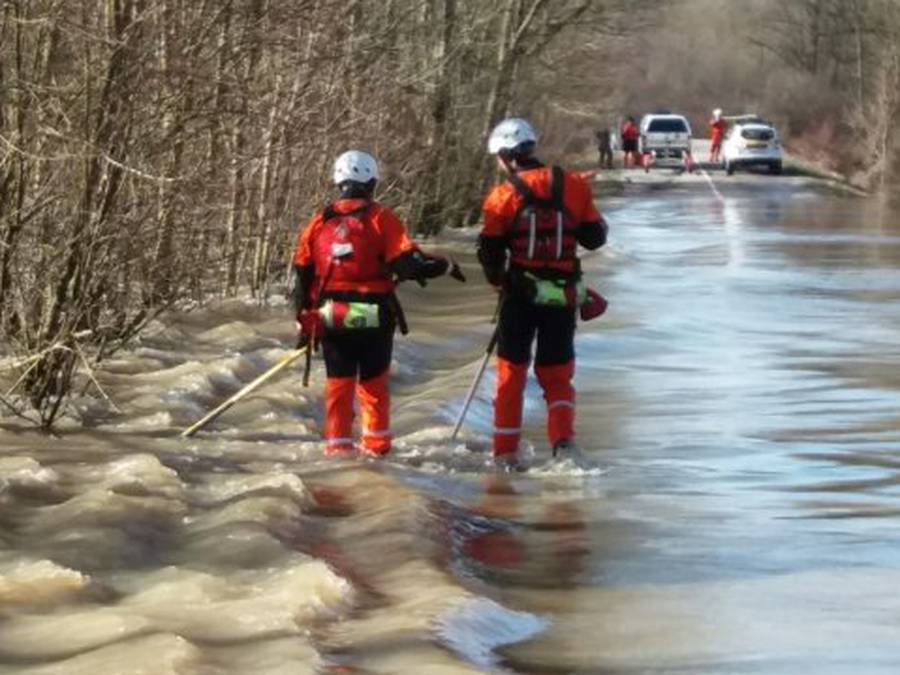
739 406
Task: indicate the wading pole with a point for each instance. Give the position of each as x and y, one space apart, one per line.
253 386
480 373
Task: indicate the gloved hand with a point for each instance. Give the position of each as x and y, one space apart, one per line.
456 271
309 326
431 266
418 266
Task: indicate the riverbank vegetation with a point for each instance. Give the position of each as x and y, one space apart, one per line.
160 152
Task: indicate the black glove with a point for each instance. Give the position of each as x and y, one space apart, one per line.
433 266
418 266
456 271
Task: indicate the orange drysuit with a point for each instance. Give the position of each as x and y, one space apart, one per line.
717 129
346 254
533 223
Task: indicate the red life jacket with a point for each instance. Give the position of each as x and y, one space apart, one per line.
543 234
347 253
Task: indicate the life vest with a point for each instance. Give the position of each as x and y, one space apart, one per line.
347 253
543 234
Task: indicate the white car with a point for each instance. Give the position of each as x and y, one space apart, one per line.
752 143
665 136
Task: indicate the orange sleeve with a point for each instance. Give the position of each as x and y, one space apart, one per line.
498 210
303 251
580 201
393 232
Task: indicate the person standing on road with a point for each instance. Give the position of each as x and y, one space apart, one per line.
533 224
630 133
346 261
717 128
604 148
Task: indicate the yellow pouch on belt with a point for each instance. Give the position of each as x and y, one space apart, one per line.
340 316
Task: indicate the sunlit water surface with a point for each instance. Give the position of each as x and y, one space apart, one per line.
739 406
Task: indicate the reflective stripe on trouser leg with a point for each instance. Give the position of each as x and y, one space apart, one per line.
508 406
375 407
556 381
339 414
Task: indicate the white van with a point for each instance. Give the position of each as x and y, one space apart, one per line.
665 136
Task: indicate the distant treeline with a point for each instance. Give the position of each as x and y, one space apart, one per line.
826 71
157 152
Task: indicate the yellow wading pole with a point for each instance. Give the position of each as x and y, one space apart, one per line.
253 386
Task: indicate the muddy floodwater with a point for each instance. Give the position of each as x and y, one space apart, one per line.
739 512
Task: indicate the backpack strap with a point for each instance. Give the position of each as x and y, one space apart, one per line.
522 188
556 187
531 199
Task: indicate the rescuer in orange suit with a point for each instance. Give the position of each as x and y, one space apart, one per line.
533 224
717 128
347 261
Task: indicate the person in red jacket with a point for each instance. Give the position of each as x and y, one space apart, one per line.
717 128
630 133
533 224
347 260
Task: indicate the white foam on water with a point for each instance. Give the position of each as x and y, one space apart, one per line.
244 605
478 627
150 655
142 474
25 472
105 508
430 450
225 608
64 634
38 583
276 484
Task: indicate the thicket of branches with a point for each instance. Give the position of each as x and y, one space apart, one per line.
827 71
154 152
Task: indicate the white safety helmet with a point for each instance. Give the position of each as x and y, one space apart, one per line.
717 113
355 165
510 134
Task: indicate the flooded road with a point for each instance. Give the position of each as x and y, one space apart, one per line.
739 405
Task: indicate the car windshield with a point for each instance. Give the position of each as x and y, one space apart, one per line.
758 134
667 126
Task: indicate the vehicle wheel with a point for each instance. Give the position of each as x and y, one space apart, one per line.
729 168
776 168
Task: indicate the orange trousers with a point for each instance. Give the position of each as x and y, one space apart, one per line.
357 364
375 408
521 325
556 382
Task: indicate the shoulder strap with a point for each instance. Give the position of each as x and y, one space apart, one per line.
522 188
556 187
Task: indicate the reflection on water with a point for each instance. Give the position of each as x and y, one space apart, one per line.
739 404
